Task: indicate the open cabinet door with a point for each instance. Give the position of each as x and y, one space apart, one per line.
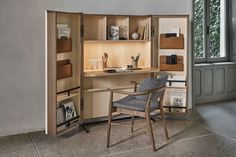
64 71
170 54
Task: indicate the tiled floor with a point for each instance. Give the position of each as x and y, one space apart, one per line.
210 131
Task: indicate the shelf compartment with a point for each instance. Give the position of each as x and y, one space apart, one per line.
136 22
122 22
68 93
64 45
64 69
171 42
94 27
171 67
65 96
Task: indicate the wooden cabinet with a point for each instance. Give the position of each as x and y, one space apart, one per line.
83 79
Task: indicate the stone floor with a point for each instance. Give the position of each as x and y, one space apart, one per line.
209 131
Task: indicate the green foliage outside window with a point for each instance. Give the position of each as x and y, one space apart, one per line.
198 31
214 28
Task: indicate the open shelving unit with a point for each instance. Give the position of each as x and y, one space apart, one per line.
119 51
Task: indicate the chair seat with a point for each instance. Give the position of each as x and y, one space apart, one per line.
133 103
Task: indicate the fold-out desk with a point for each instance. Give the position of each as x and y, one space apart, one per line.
96 96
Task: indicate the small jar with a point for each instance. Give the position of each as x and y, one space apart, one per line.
134 64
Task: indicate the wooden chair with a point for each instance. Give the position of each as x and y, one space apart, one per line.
145 99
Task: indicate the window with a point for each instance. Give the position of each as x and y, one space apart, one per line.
209 30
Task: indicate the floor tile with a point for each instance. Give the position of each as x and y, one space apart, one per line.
17 145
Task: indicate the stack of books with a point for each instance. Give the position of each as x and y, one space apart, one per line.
143 31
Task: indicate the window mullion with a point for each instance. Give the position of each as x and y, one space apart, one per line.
206 31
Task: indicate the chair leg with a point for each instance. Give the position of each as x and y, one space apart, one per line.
164 122
109 120
150 130
132 124
109 129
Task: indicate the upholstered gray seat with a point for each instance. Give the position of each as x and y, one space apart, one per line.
133 103
138 103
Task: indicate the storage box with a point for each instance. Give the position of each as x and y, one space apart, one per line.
171 67
64 45
171 42
64 69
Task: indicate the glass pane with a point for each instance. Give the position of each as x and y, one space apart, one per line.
217 28
198 29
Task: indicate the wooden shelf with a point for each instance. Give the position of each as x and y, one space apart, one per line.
63 97
102 73
114 41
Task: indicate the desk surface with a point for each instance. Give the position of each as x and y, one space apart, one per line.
130 72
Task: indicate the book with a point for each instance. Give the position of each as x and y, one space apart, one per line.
69 110
146 32
148 29
141 32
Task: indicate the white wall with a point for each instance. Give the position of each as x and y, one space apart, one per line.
22 51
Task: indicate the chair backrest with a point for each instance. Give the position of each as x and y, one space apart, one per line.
152 83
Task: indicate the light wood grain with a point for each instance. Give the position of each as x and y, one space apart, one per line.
51 52
94 27
132 72
96 93
119 53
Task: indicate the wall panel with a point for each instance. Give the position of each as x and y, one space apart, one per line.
219 83
197 82
231 80
214 82
207 81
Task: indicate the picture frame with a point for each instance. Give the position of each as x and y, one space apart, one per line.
69 110
177 101
113 32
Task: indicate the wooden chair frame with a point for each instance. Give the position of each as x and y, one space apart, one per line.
145 114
